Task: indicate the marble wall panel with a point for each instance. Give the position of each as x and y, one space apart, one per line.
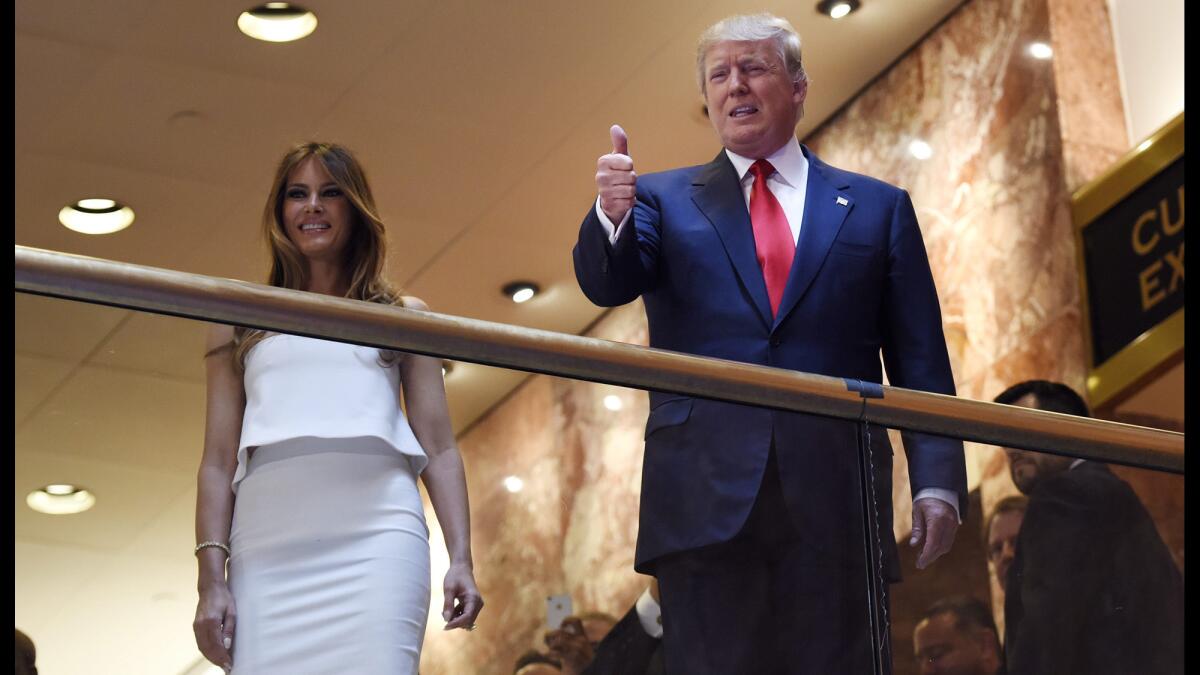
992 201
1090 111
571 528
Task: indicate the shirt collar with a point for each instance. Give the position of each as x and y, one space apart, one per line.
789 161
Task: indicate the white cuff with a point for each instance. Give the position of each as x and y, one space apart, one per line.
607 224
948 496
650 614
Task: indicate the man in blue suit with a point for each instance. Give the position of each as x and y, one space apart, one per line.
750 517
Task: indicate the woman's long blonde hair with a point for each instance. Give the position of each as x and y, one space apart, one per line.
365 253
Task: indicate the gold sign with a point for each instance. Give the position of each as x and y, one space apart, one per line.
1130 225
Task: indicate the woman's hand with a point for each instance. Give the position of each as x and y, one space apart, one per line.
216 617
462 598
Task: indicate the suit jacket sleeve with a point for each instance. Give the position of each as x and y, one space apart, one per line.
914 351
614 274
626 650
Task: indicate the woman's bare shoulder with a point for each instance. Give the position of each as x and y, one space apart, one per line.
413 302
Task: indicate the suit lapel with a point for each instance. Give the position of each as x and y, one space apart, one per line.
825 209
717 192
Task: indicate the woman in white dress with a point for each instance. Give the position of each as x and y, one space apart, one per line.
311 537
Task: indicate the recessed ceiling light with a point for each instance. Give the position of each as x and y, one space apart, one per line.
920 149
520 291
277 22
96 216
513 484
1040 50
836 9
613 402
60 499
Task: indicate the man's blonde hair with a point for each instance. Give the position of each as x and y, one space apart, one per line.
752 28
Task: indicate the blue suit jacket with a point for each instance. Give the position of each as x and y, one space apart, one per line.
860 283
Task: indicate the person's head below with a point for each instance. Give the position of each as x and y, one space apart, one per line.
534 662
1029 468
1000 534
957 636
320 215
26 655
596 625
752 82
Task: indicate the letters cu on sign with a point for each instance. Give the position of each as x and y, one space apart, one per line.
1164 275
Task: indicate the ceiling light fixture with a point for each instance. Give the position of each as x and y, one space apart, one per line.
60 499
277 22
520 291
1040 50
836 9
514 484
96 216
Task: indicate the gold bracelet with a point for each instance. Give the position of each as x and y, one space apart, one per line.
212 544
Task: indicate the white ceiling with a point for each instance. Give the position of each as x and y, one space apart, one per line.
478 123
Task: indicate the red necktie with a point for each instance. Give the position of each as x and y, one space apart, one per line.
772 235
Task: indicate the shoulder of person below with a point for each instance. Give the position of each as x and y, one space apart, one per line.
1092 485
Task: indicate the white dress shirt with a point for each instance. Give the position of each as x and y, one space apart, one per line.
789 184
649 614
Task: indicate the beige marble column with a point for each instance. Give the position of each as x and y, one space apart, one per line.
1090 112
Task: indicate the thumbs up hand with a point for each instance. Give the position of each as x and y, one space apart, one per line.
615 178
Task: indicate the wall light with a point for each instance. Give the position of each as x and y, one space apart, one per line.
96 216
60 499
1040 50
277 22
613 402
520 291
836 9
920 149
513 484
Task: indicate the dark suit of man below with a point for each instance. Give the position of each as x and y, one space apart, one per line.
1093 588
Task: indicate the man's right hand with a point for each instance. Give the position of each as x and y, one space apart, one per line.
616 179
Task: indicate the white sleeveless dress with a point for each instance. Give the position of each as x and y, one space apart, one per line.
330 551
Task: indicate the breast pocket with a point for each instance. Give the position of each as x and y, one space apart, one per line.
670 413
852 249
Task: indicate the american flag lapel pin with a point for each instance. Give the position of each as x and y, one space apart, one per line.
842 201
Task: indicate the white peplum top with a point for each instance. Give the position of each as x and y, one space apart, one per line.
300 387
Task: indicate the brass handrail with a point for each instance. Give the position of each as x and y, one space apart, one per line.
209 298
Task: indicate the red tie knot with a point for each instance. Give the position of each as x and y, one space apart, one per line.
762 170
